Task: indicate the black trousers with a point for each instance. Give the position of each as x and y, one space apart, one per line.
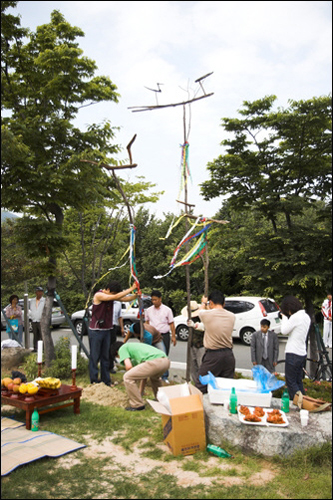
220 362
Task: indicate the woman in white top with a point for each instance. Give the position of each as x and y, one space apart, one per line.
295 323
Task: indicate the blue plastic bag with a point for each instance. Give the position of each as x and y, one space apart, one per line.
208 379
266 381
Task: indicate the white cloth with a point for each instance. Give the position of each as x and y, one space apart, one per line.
297 327
116 312
9 343
36 312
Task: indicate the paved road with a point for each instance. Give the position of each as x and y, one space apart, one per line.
177 354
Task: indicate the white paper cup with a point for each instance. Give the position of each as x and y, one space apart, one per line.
304 414
304 421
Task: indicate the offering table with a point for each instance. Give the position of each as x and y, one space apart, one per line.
43 400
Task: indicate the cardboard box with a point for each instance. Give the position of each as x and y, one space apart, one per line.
184 427
246 391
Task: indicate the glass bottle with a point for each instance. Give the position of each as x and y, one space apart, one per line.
233 401
219 452
35 420
285 401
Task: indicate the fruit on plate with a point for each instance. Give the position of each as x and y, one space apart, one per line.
23 388
17 381
16 388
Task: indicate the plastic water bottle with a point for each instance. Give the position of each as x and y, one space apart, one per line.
233 401
285 401
219 452
35 420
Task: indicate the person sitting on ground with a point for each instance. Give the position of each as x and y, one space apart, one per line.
142 361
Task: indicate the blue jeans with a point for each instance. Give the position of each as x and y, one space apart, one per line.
99 352
166 342
294 373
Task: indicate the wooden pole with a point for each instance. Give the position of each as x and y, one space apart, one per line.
187 268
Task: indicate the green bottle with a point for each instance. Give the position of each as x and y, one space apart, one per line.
35 420
285 401
233 401
219 452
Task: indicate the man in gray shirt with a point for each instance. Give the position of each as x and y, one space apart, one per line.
36 307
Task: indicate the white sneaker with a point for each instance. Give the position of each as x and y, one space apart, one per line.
166 381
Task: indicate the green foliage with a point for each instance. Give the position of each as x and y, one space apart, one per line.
276 170
60 366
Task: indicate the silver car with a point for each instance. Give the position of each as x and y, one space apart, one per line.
129 313
57 317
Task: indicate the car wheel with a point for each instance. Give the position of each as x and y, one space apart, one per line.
246 335
78 326
127 324
182 332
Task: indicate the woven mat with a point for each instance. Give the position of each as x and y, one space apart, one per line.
20 446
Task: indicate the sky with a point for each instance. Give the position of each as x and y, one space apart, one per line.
253 48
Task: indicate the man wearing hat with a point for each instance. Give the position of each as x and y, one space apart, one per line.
197 347
36 307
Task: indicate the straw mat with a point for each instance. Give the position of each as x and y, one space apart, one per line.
20 446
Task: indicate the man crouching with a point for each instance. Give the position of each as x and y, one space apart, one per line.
141 362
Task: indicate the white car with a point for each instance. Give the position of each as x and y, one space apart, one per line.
129 313
249 312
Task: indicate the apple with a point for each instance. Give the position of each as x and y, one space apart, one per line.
17 381
10 386
16 388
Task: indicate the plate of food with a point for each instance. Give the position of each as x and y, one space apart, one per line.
255 415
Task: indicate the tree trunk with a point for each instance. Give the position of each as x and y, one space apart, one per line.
49 352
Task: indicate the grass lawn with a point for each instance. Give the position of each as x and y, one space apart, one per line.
125 458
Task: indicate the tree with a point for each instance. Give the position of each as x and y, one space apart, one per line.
278 165
45 80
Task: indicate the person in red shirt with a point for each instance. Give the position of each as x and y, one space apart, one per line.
100 328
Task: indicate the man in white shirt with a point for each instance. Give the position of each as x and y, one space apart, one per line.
36 307
326 310
161 317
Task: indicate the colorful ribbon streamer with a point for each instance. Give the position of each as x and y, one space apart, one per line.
195 251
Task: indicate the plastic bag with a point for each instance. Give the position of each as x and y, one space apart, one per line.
208 379
163 399
265 380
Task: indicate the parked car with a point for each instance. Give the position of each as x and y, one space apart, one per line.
57 317
249 312
130 313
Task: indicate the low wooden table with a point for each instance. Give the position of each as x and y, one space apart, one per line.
44 398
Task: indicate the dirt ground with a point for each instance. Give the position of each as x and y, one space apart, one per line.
136 464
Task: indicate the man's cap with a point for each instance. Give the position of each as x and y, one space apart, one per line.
39 289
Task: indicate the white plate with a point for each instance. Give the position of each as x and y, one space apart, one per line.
263 419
